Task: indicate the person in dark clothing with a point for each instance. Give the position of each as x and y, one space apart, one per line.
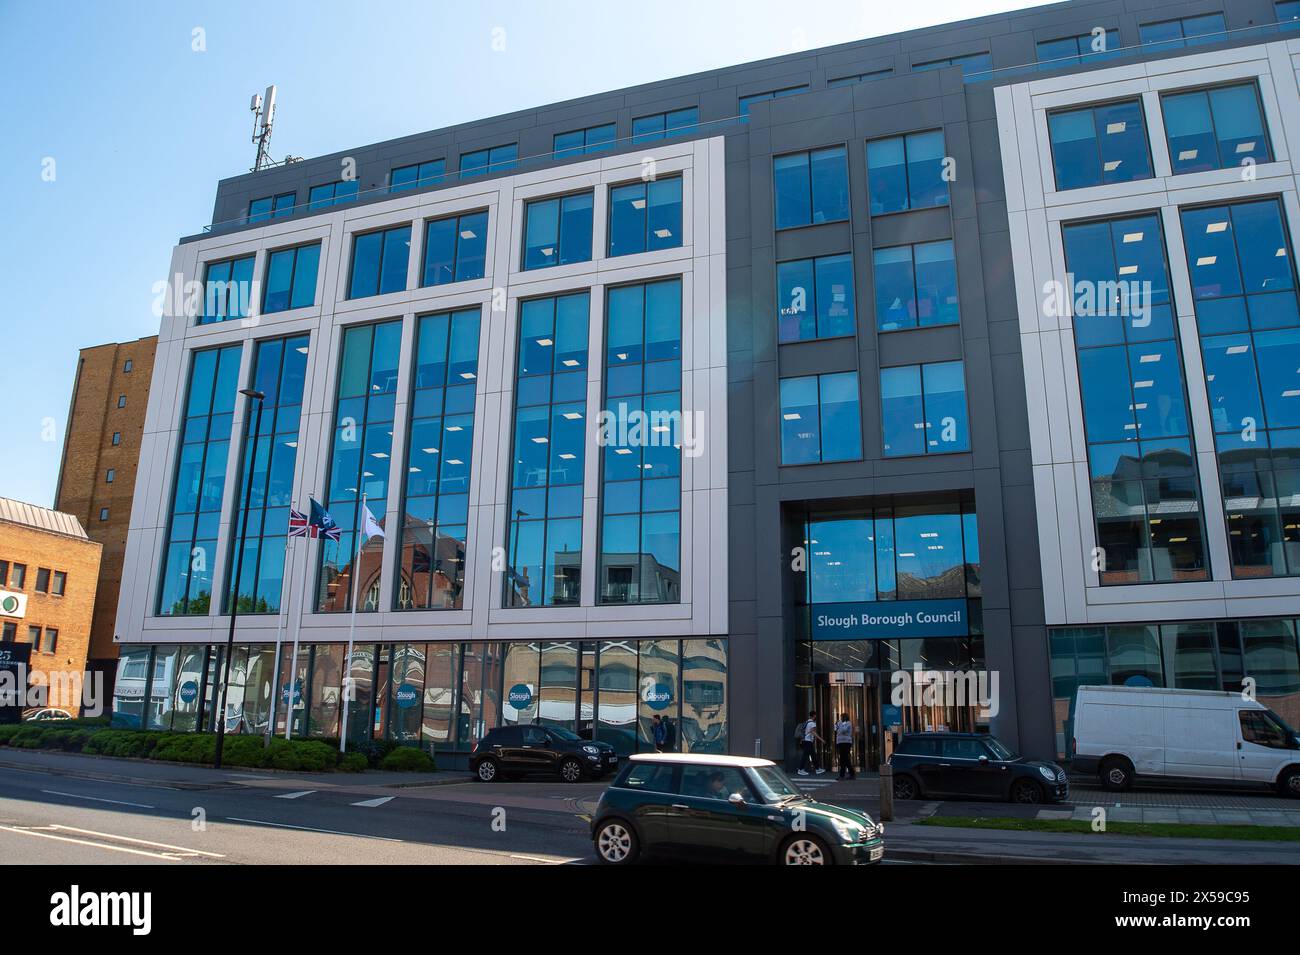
810 741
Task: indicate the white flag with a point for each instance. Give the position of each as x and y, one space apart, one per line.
369 526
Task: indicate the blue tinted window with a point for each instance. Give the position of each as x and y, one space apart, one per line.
1146 499
417 175
1099 145
259 210
279 372
435 496
482 161
811 187
747 101
199 484
1215 129
544 540
640 438
333 193
916 286
820 419
969 63
1188 31
1288 13
379 261
1084 48
290 278
662 125
557 231
923 409
856 78
590 140
906 172
645 216
359 463
815 298
455 249
227 290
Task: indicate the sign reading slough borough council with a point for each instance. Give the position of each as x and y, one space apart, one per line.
882 619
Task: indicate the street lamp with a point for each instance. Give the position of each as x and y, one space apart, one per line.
252 395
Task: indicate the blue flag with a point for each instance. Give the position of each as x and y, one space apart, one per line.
325 525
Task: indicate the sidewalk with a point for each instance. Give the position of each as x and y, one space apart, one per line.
186 776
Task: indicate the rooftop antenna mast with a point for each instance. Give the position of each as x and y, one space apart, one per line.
263 111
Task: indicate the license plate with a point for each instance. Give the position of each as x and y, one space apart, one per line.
613 759
877 853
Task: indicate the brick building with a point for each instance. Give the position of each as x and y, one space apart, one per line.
49 570
97 476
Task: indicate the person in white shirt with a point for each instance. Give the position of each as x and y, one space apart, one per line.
844 746
810 741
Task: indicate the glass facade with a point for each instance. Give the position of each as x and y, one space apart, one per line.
558 231
279 372
1145 492
480 162
821 419
227 290
641 437
440 447
646 129
747 101
379 262
1216 128
440 696
1193 655
272 207
417 175
811 187
544 544
1085 48
923 409
645 216
579 141
333 193
359 462
190 552
916 286
455 249
1099 145
1186 31
290 278
815 298
906 172
969 63
1244 289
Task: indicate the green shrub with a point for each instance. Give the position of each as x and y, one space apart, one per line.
186 748
306 754
123 743
28 737
375 750
353 763
8 731
407 759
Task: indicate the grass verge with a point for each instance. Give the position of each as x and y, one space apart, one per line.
1168 830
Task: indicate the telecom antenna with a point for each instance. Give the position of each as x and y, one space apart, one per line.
263 110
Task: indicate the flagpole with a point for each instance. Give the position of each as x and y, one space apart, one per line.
296 623
352 628
286 576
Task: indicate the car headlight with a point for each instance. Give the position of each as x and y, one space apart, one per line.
591 749
848 831
1047 774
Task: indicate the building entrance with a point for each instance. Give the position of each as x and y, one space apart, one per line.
854 693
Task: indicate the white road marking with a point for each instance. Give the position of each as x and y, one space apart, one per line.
540 859
141 842
373 803
305 792
87 842
332 832
115 802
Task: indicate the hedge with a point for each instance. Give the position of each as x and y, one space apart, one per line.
97 738
407 759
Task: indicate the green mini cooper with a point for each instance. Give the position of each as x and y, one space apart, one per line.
725 809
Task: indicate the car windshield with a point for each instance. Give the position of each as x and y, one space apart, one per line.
773 784
563 733
999 751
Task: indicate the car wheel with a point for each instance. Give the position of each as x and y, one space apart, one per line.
616 843
1288 784
570 770
487 770
905 787
1116 774
1026 791
805 849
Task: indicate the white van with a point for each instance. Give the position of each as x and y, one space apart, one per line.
1127 732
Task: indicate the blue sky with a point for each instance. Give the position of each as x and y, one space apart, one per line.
140 126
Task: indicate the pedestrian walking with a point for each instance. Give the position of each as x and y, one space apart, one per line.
660 732
844 746
810 741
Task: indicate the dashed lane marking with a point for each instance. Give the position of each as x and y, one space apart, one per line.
115 802
331 832
297 795
374 803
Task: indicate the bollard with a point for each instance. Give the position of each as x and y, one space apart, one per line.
886 792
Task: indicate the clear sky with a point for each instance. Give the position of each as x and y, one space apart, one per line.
140 125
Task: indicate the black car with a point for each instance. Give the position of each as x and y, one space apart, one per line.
972 765
510 752
725 809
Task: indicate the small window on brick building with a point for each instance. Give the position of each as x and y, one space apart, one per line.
4 573
103 513
19 576
109 475
51 640
126 367
10 633
59 583
42 580
117 438
121 401
34 636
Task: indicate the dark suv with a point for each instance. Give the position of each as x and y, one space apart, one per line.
973 765
513 751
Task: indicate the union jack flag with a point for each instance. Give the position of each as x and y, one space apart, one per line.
299 525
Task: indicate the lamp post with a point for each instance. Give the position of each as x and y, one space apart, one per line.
252 395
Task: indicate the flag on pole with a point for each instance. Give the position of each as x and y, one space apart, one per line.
369 526
323 525
300 525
